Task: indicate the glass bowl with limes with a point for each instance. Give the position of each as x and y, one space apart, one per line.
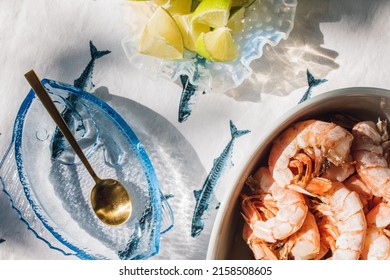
212 42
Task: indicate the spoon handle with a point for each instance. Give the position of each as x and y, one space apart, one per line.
51 108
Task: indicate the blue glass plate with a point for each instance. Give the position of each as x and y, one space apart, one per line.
51 193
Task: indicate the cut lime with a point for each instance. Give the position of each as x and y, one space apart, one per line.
159 2
162 37
189 31
217 45
175 7
214 13
242 3
236 19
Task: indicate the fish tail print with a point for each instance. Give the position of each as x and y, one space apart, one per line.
312 82
188 95
203 196
190 92
197 227
201 206
167 213
85 80
237 133
95 54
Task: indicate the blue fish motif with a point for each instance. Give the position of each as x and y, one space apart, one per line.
59 143
167 213
312 82
135 246
190 91
2 240
84 82
204 195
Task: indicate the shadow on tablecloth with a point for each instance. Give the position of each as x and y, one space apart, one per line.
282 68
178 170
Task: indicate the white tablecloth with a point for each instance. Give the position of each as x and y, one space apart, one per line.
346 42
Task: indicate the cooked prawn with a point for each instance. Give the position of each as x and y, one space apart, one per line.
377 242
340 173
320 141
344 223
371 164
305 243
261 250
386 151
328 234
356 184
290 208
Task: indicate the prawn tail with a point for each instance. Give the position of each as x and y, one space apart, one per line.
95 54
235 132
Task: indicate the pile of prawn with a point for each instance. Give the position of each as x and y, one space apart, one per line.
325 194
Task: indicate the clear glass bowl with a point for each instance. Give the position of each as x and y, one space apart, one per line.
50 188
266 22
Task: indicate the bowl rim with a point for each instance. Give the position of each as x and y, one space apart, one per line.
140 152
267 136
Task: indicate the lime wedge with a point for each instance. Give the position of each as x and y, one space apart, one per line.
159 2
217 45
190 31
236 19
242 3
162 37
214 13
175 7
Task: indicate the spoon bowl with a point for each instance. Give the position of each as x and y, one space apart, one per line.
109 198
110 201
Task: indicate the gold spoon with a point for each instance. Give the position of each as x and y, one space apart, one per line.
110 200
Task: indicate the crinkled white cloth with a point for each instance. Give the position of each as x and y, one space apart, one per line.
346 42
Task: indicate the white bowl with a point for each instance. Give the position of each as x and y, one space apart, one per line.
364 103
